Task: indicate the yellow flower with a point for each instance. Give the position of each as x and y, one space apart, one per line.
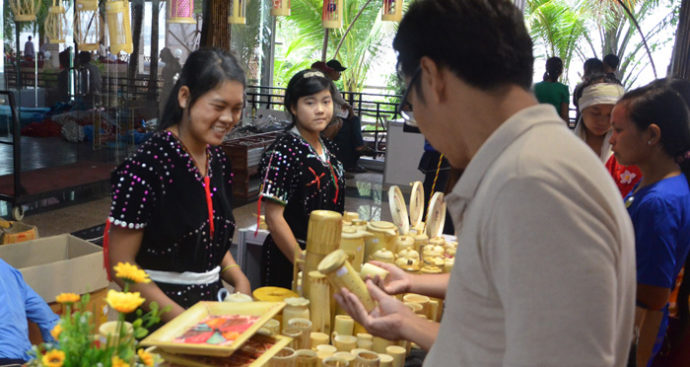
124 302
117 362
127 271
145 357
56 331
54 358
67 298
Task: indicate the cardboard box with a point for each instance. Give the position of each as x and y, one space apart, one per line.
58 264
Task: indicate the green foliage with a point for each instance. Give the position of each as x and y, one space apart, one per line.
305 35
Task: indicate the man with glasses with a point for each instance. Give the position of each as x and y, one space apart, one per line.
545 271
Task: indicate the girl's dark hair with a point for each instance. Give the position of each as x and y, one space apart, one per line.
659 103
203 71
554 69
301 86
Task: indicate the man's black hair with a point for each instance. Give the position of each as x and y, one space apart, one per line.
593 66
484 42
612 61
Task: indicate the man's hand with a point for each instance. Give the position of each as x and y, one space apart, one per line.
397 281
386 320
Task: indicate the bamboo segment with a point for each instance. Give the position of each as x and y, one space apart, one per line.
304 326
306 358
341 274
320 307
344 355
325 350
323 237
398 354
335 362
380 344
366 359
344 325
386 360
365 340
345 343
284 358
421 300
433 310
318 338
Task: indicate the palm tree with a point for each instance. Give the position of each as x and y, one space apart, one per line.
305 33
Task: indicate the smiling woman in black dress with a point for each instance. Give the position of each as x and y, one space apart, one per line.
171 211
300 173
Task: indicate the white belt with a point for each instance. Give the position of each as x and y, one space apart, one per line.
185 278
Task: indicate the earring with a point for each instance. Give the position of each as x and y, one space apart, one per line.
649 142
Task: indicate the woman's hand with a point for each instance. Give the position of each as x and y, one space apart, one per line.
398 281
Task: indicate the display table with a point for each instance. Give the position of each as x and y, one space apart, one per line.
249 253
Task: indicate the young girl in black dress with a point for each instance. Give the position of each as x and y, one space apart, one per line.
300 174
171 211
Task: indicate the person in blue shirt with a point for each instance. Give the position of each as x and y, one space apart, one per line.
19 302
651 129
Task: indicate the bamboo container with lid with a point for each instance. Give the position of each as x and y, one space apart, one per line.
320 302
352 241
341 274
384 256
318 338
343 325
371 271
295 307
381 233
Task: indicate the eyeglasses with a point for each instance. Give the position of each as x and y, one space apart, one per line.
405 107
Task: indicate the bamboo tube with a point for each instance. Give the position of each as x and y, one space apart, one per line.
364 337
345 355
295 335
320 306
345 343
306 358
386 360
366 359
344 325
284 358
341 274
318 338
365 344
325 350
304 326
433 310
419 299
398 354
356 351
370 271
335 362
380 344
323 237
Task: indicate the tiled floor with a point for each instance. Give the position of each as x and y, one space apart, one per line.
363 195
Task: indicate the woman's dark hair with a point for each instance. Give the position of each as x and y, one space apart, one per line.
658 103
554 69
593 66
203 71
305 83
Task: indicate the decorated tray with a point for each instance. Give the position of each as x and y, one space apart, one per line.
213 328
256 351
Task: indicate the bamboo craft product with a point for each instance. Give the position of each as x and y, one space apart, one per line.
306 358
371 271
344 325
295 307
341 274
345 355
284 358
364 340
304 327
398 354
421 300
366 359
433 310
396 203
335 362
381 233
384 256
323 237
320 298
345 343
352 241
325 350
295 334
386 360
271 327
402 243
380 344
318 338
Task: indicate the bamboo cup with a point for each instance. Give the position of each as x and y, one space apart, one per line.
317 338
344 325
284 358
323 237
398 354
345 343
306 358
304 326
345 355
366 359
320 306
386 360
380 344
370 270
335 362
433 310
341 274
421 300
295 335
325 350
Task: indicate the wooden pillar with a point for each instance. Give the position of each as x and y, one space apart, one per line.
680 61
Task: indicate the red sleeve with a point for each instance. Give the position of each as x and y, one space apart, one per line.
625 177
